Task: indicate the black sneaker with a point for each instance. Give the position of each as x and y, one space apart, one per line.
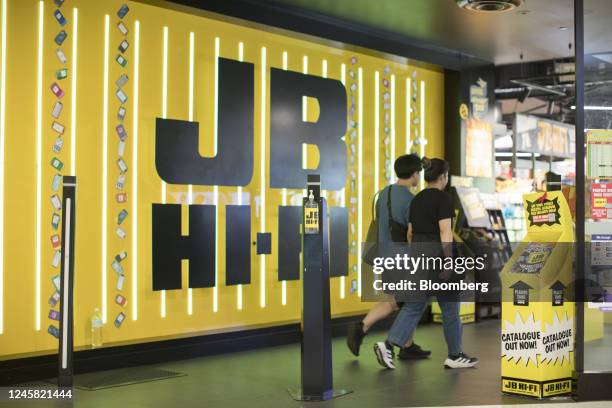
384 354
354 337
460 361
414 352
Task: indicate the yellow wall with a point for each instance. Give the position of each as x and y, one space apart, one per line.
25 305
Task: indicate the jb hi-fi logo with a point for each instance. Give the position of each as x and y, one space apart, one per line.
178 162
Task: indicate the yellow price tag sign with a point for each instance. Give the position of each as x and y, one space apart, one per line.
311 220
464 111
536 257
600 202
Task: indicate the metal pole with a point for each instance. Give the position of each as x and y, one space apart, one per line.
580 274
65 366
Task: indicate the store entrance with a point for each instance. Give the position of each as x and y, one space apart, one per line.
594 107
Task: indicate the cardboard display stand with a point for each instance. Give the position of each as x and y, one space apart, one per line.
537 320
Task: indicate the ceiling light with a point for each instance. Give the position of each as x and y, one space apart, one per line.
489 5
595 108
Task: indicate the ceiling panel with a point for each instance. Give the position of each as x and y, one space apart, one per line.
497 37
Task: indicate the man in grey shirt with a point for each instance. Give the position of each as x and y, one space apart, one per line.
407 168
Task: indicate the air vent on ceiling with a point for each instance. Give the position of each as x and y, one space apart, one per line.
489 5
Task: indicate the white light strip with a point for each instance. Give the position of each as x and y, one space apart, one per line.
164 113
408 114
2 141
422 130
343 196
304 116
135 172
66 282
262 204
105 167
73 105
392 126
284 199
284 190
518 154
216 188
360 176
324 74
376 131
591 107
190 187
41 6
239 192
191 75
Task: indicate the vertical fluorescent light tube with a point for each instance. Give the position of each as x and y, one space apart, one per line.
105 167
422 139
360 181
73 105
304 116
135 172
164 113
408 114
284 282
190 187
376 131
391 171
324 75
67 277
262 205
41 6
2 137
239 192
343 193
284 199
216 188
284 191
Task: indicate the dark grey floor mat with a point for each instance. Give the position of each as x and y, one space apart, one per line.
120 377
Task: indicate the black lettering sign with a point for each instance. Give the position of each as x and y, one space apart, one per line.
521 293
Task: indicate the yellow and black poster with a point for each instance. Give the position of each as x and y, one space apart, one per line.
537 319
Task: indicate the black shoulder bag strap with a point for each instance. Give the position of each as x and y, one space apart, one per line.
397 230
389 210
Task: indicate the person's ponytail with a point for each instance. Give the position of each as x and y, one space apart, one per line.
426 163
434 168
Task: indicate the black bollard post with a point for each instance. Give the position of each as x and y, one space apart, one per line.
316 350
65 367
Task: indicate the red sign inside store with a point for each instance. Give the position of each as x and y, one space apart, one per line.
601 201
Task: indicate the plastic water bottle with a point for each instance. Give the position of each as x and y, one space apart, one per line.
96 329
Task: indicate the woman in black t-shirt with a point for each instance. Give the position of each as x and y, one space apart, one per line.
430 234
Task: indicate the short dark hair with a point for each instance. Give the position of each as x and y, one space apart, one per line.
434 168
406 165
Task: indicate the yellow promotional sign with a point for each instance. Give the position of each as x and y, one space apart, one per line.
537 321
311 219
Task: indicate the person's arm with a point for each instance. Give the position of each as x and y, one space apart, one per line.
409 232
445 214
446 235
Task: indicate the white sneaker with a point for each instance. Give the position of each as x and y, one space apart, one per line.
460 361
384 354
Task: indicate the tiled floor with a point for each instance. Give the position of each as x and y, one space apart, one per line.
261 378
